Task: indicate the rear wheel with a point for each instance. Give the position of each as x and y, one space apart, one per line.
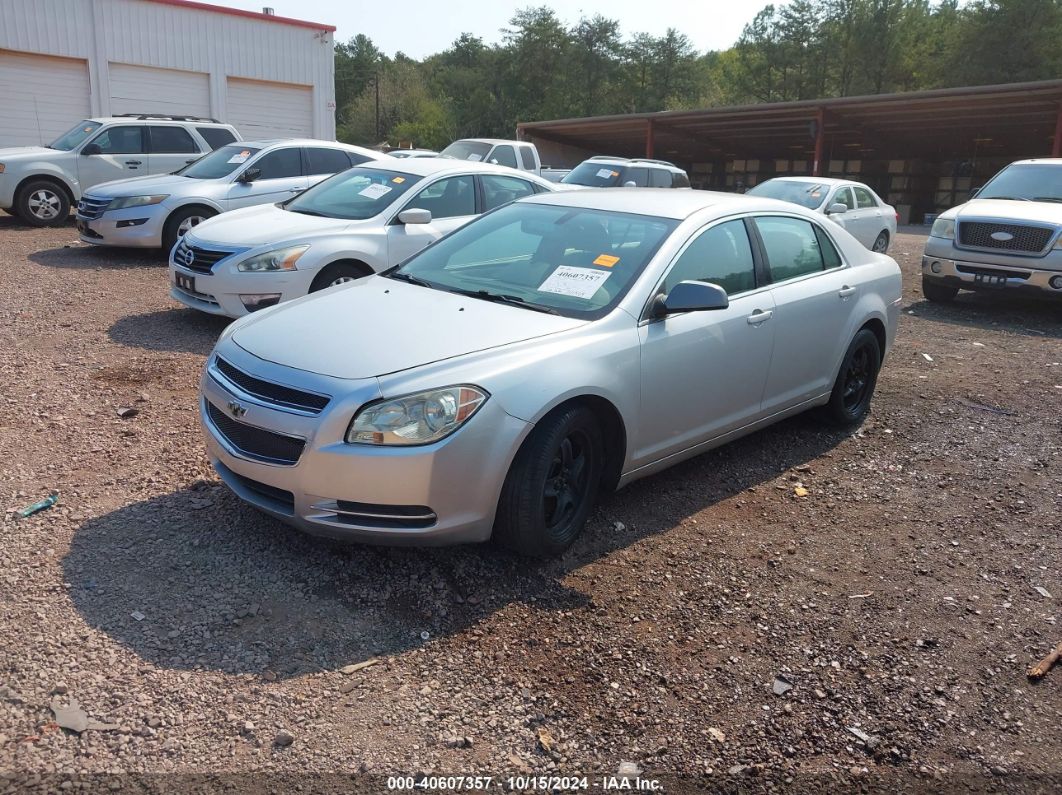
854 387
339 273
182 221
938 293
881 242
43 203
551 486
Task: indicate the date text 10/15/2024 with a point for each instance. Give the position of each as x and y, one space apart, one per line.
523 783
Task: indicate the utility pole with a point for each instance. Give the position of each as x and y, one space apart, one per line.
376 83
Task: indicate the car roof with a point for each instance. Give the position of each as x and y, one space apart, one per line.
662 202
267 142
427 166
492 141
817 180
1049 161
629 161
149 118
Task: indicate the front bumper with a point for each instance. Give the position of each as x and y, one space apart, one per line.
443 493
141 227
219 293
990 277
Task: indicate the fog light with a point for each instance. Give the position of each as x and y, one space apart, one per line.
1056 282
259 301
935 267
131 222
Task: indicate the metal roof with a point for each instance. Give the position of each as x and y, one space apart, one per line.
239 12
1014 118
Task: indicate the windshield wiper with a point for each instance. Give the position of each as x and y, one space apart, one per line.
405 277
1046 199
1006 198
499 298
307 212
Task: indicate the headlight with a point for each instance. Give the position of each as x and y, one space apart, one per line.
416 419
136 201
283 259
943 228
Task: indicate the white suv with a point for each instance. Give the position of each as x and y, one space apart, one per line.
153 212
41 183
621 172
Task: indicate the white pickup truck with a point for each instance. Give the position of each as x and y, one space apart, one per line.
520 155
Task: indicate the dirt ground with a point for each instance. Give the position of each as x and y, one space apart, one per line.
899 598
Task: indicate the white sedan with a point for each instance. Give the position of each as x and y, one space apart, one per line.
363 220
853 205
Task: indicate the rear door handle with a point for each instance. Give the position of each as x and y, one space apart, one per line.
759 316
846 291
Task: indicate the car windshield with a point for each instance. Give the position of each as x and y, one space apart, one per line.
355 194
595 175
219 163
466 150
568 261
1028 181
807 194
75 136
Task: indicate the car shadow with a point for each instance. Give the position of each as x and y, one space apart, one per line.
79 256
171 330
1018 315
198 580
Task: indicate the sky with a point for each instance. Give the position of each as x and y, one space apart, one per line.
423 27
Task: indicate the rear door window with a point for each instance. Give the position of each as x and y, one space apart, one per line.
498 190
216 136
679 179
863 198
503 156
167 140
326 161
527 157
792 246
639 176
658 178
448 198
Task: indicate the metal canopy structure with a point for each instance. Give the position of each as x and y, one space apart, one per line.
1011 120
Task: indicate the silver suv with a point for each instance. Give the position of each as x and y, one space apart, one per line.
40 183
621 172
1009 237
153 212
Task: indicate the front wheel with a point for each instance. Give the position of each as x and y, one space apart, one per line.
43 203
182 221
551 486
854 387
338 273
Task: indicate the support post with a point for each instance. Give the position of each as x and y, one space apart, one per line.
650 144
1056 144
820 139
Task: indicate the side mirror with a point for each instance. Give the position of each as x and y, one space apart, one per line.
91 149
630 184
837 209
690 297
250 175
414 215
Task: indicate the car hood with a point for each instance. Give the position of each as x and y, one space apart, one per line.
142 186
7 154
1039 212
376 326
263 224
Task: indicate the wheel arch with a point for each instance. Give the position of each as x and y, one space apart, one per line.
47 176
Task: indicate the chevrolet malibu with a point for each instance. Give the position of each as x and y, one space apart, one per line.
560 346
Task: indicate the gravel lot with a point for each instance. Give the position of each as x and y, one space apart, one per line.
898 598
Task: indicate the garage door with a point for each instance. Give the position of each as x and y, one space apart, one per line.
148 89
43 97
270 110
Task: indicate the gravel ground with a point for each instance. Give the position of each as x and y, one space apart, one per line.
899 598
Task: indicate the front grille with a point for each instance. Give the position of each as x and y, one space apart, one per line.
90 209
411 517
284 500
258 443
1025 239
195 258
270 392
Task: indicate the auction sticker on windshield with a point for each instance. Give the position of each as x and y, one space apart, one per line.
605 173
241 157
374 191
576 282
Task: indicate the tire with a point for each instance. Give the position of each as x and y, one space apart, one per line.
552 484
180 221
854 387
43 202
938 293
881 242
339 273
10 211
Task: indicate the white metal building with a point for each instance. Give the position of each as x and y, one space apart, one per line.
64 60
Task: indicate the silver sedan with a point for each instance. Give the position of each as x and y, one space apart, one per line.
560 346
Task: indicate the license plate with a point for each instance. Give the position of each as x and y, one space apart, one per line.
990 280
186 283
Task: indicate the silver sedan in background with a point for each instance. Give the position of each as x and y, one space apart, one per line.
564 344
853 205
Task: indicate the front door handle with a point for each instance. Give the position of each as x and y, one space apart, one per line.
846 291
759 316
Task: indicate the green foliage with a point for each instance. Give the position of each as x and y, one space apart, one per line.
544 69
